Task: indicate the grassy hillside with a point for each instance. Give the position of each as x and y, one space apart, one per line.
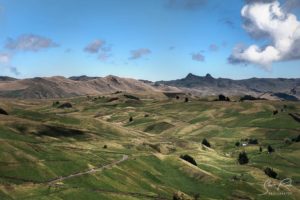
93 150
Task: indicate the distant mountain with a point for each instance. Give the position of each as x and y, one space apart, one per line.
207 85
7 78
58 87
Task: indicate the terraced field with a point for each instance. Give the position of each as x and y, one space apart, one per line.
93 150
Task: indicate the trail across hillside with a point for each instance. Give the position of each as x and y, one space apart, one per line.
91 171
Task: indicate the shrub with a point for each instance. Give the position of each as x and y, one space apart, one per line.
243 158
270 149
65 105
260 149
130 119
112 99
131 97
105 146
189 159
55 103
253 141
275 112
146 115
3 112
270 172
205 142
177 97
287 141
186 99
222 97
296 139
237 144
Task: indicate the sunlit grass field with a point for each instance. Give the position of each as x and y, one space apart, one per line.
41 143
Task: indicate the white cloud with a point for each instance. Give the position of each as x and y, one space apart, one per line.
138 53
4 58
198 57
95 46
270 21
29 42
5 63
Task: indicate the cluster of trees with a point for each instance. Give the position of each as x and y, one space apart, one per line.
223 98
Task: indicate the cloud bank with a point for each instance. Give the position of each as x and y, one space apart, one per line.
267 19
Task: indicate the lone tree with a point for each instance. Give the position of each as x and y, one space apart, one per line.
189 159
243 158
237 144
130 119
205 142
260 149
270 172
270 149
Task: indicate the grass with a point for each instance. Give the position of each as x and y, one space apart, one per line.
39 142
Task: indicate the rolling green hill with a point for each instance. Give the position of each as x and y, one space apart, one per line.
93 150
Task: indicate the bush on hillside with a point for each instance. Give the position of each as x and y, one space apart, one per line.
112 99
296 139
65 105
205 142
130 119
287 141
270 172
237 144
189 159
223 98
270 149
243 158
252 141
55 103
131 97
3 112
275 112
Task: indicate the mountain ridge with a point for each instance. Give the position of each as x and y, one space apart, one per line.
59 86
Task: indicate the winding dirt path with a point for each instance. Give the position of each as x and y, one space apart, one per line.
91 171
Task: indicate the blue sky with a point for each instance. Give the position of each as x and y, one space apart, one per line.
143 39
